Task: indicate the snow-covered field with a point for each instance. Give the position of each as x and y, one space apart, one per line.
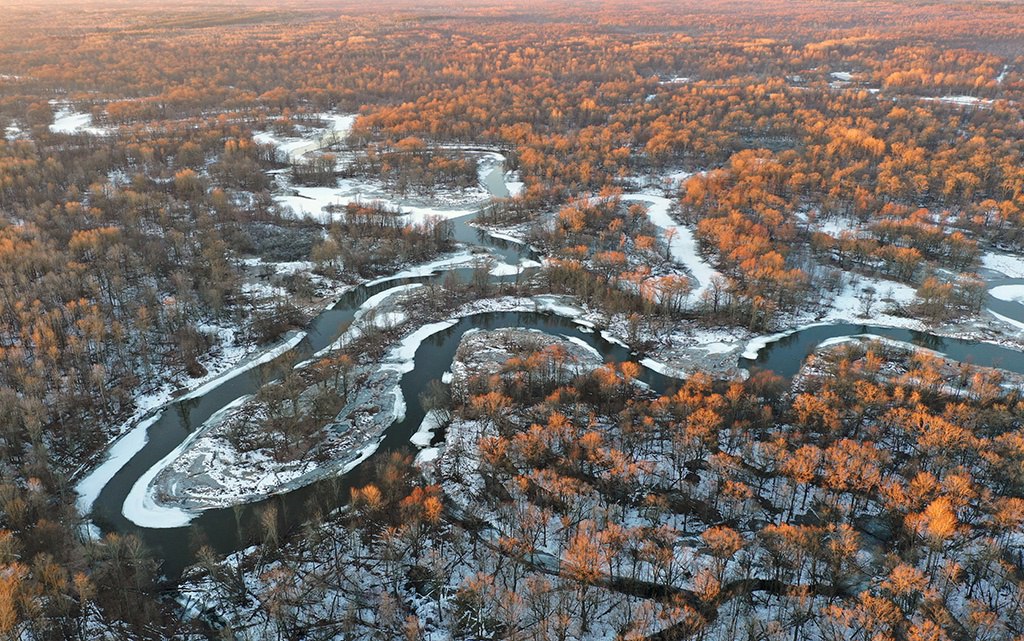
316 202
676 179
68 121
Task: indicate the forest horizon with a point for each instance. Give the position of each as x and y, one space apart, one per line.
531 321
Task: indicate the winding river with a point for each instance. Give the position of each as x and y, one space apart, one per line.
230 529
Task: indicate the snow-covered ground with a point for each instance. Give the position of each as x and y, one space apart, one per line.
281 268
1006 264
461 257
293 339
14 132
141 506
133 433
513 183
840 79
847 307
122 451
292 149
963 101
239 477
1012 293
68 121
1019 326
431 422
316 202
505 269
677 178
836 225
369 308
682 244
506 237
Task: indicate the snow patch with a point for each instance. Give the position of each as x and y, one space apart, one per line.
68 121
1006 264
1010 293
717 348
427 455
141 506
506 237
427 269
401 357
504 269
613 339
431 422
122 451
267 356
662 368
683 245
836 225
576 340
1009 321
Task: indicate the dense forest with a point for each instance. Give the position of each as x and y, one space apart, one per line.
187 188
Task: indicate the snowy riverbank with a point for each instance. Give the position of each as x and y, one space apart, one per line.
133 434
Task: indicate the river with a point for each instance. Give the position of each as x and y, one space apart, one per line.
229 529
